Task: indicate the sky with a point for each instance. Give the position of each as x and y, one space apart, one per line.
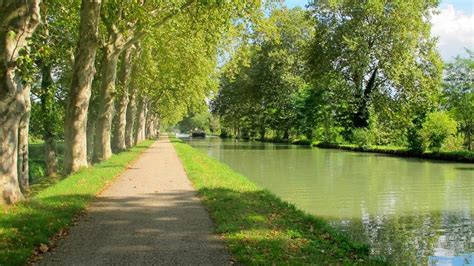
453 25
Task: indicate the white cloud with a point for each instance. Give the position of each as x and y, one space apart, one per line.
455 31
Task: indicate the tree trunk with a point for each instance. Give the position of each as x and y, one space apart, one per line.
18 19
121 110
141 117
150 125
75 141
50 152
90 137
23 169
48 119
103 128
286 134
262 133
131 116
361 117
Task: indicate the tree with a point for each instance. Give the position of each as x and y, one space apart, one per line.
259 84
19 19
459 95
75 139
383 49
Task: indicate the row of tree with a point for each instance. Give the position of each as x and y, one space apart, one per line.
101 75
348 71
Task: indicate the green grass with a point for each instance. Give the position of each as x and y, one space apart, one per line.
33 222
259 227
37 167
455 156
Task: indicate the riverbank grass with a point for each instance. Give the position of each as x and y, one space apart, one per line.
32 223
259 227
454 156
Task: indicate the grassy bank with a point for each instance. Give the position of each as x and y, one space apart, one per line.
259 227
32 223
454 156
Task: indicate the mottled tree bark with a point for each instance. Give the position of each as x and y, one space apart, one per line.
75 152
150 125
141 120
120 119
103 128
131 116
90 135
23 168
18 19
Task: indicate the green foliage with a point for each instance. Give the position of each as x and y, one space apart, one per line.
414 139
33 222
363 137
200 121
453 143
383 53
459 95
436 129
259 227
259 85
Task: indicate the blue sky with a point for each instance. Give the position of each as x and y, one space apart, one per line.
453 25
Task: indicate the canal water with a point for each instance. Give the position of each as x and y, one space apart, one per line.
408 210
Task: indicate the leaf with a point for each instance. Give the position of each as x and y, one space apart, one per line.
43 248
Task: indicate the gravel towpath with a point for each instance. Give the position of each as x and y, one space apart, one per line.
149 216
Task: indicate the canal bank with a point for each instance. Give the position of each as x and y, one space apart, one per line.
407 209
455 156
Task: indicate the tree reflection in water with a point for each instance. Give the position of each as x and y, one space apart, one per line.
418 238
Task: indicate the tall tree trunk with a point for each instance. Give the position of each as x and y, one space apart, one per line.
103 128
150 125
48 119
361 117
75 141
262 133
23 169
131 116
18 19
141 120
90 137
120 119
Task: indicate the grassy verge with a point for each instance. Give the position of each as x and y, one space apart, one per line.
258 226
33 222
454 156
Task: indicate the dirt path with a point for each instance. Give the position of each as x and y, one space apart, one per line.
150 215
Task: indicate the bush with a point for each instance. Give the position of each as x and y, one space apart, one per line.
453 143
329 135
363 137
437 128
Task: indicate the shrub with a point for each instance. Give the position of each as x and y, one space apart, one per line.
437 127
363 137
453 143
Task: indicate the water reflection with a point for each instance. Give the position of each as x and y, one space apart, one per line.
407 209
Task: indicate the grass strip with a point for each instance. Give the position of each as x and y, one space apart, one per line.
27 225
259 227
453 156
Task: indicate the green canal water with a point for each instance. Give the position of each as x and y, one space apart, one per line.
408 210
